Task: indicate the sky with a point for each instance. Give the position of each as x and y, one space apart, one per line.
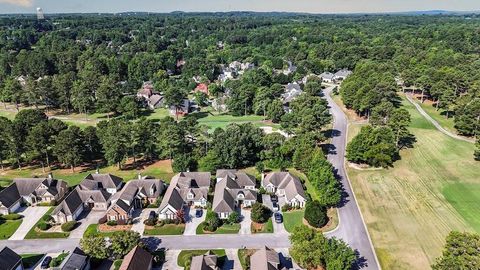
310 6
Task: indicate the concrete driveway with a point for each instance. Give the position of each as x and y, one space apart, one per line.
171 257
246 222
278 228
192 222
31 216
232 262
140 215
38 266
85 219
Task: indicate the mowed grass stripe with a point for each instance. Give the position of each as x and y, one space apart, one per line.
409 209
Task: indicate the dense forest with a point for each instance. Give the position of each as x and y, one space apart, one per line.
93 63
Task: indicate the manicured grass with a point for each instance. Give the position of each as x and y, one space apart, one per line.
117 264
186 256
161 169
92 230
57 261
8 228
410 209
439 116
292 219
244 257
167 229
34 234
224 229
30 260
266 228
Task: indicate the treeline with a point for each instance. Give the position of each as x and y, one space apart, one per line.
372 92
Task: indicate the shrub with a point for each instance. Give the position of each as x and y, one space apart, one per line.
161 223
150 222
212 222
234 217
316 214
43 226
286 208
11 217
68 226
112 223
47 218
260 213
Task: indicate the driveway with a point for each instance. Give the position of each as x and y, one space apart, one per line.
286 260
246 222
232 262
193 222
31 216
38 266
139 215
279 228
171 257
85 219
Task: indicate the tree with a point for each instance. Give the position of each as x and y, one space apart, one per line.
70 146
174 98
113 136
234 217
123 241
129 107
212 222
476 153
326 185
95 246
275 110
461 251
260 213
316 214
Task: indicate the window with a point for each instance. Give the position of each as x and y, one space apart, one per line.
190 196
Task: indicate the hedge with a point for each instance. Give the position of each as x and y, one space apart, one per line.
68 226
11 217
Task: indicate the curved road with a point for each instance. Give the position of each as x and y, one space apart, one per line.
352 228
435 123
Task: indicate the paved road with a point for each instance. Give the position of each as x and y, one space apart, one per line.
435 123
351 228
40 245
31 216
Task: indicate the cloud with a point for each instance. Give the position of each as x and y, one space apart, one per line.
22 3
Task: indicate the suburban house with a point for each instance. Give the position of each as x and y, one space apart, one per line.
327 77
186 188
93 193
207 261
342 74
291 68
31 191
202 87
137 259
292 91
77 260
233 189
152 98
286 186
182 109
9 260
146 91
265 259
136 194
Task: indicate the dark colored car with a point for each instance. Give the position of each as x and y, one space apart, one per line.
275 206
274 198
46 262
199 213
278 217
152 215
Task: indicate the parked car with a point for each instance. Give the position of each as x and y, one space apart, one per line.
198 213
152 215
46 262
274 198
278 217
275 206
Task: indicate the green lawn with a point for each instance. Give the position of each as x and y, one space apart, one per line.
267 227
186 256
92 229
30 260
224 229
410 209
292 219
167 229
34 234
244 257
117 264
8 228
161 169
438 116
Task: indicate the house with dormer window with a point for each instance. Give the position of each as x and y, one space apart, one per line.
286 186
136 194
185 189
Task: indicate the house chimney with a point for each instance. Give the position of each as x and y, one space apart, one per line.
188 169
139 176
50 175
97 171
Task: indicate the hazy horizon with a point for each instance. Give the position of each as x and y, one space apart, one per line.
301 6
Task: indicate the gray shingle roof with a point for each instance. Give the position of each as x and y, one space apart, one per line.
10 195
137 259
78 260
9 260
97 181
27 186
228 188
265 259
207 261
287 181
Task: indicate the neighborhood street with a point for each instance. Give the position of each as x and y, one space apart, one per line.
352 228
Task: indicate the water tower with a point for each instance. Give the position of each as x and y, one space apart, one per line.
40 15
